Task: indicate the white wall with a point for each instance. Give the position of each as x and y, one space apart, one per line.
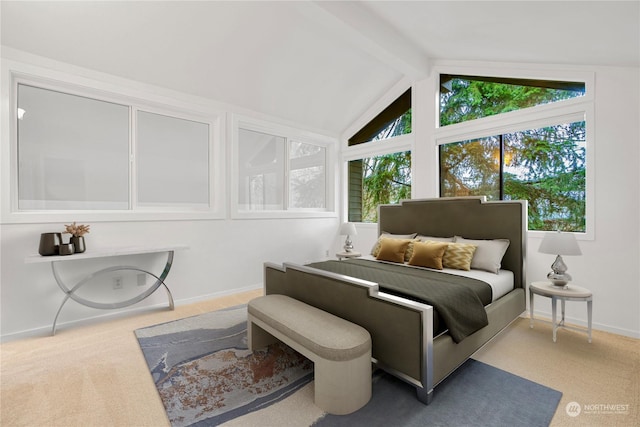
227 255
609 266
224 256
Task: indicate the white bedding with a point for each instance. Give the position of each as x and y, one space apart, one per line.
501 283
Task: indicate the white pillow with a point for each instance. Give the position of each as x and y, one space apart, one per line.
488 255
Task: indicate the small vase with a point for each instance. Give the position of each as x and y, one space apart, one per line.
50 244
78 244
66 249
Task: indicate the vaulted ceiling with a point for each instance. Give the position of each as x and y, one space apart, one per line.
318 64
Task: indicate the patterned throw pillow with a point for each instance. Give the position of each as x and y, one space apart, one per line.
393 250
458 256
428 254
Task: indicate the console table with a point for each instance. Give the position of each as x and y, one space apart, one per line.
70 291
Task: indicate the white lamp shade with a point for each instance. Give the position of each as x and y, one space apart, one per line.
558 243
348 229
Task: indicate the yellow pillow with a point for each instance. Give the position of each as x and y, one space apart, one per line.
393 250
407 255
385 235
428 254
458 256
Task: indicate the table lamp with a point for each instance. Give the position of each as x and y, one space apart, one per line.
559 244
348 229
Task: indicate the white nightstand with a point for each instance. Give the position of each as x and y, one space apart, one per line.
352 254
570 292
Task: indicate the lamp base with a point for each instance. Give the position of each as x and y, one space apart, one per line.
348 245
557 280
559 275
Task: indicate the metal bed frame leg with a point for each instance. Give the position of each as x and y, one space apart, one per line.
424 396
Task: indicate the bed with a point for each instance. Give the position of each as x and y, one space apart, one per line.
405 341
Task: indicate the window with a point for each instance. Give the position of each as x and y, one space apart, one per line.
69 148
307 179
537 155
261 168
378 180
279 171
80 152
393 121
380 173
464 98
545 166
173 161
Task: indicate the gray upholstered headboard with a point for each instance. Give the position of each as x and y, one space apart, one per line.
469 217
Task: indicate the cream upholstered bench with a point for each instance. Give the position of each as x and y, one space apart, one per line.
340 350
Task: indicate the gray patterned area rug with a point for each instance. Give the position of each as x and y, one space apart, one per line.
205 373
206 376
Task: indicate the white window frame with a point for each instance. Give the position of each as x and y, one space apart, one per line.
289 134
14 73
566 111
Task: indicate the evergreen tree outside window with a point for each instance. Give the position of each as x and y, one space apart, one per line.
464 98
382 178
545 165
378 180
393 121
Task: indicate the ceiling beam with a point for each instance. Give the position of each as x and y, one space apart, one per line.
369 32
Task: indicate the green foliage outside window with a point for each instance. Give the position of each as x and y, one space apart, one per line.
545 166
382 179
472 98
385 179
399 126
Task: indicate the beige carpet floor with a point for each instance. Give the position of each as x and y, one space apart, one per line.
96 375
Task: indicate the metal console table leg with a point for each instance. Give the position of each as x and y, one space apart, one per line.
71 293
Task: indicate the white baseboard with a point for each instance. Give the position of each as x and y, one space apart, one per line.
46 330
546 316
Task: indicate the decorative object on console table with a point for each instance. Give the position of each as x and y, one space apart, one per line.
78 244
67 249
77 232
50 244
559 244
348 229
